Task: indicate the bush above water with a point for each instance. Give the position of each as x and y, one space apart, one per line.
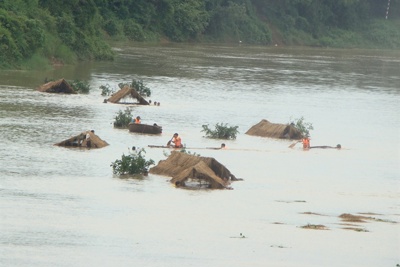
221 131
134 163
80 86
106 90
123 118
303 126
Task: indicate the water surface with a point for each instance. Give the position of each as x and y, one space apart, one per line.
64 207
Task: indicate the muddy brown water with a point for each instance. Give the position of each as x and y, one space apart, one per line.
64 207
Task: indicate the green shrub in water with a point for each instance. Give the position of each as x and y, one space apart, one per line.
302 126
134 163
123 118
221 131
80 86
106 90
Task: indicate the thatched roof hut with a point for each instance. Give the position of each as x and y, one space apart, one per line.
124 92
59 86
80 141
275 130
194 171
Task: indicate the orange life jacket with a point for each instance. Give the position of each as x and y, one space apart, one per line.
306 142
137 121
177 141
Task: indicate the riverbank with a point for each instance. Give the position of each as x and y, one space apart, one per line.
37 34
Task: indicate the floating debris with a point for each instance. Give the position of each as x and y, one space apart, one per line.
315 227
240 236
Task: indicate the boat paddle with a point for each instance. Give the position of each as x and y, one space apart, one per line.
169 142
292 145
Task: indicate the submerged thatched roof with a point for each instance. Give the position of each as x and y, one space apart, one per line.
185 168
126 91
59 86
275 130
80 141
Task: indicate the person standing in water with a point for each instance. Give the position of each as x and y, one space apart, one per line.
306 142
88 139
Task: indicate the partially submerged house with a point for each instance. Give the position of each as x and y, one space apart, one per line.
194 171
60 86
127 92
80 141
275 130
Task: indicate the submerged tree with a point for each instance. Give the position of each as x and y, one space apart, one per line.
106 90
221 131
80 86
134 163
302 126
123 118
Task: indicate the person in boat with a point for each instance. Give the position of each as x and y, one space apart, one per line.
137 120
176 141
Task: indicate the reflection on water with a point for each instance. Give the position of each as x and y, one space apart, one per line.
64 207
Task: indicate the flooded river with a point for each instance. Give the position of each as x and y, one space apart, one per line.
64 207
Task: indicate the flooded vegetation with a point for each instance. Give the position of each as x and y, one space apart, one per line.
65 206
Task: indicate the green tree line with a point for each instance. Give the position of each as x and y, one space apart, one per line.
67 31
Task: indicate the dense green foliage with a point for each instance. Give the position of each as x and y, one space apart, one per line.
134 163
303 126
67 31
106 90
82 87
221 131
123 118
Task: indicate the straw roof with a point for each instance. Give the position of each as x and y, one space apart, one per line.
275 130
185 168
80 141
126 91
59 86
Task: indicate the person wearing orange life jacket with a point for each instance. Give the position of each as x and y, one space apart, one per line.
177 141
306 142
137 120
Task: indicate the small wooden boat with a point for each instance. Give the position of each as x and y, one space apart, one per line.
145 128
170 147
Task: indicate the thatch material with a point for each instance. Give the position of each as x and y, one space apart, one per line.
80 141
275 130
59 86
126 91
185 168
